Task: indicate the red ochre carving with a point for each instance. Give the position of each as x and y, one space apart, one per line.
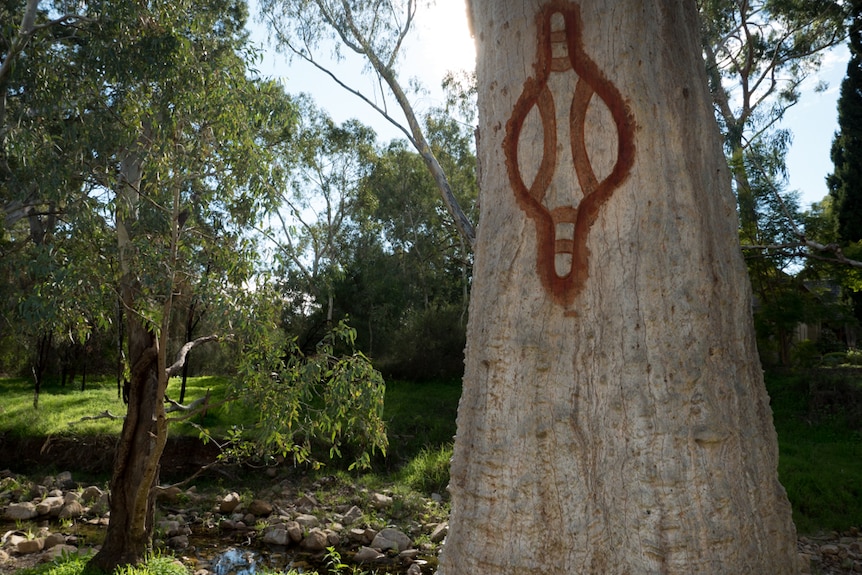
567 40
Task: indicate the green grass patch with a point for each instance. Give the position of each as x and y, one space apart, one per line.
420 416
820 449
66 410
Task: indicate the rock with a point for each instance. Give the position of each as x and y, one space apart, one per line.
170 494
367 555
58 551
352 515
829 549
4 557
50 506
380 501
71 496
332 538
277 536
294 529
71 510
178 542
28 546
22 511
91 494
315 541
390 538
308 521
230 502
260 508
54 539
436 497
414 569
409 554
64 480
439 533
307 502
170 528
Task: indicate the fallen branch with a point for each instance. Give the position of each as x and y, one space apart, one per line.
104 415
177 406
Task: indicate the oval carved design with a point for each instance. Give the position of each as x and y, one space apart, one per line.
566 195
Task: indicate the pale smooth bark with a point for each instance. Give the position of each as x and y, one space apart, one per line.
614 419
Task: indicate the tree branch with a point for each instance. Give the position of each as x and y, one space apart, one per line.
173 369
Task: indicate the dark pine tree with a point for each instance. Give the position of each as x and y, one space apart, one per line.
845 183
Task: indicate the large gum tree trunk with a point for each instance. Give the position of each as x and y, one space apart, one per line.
614 418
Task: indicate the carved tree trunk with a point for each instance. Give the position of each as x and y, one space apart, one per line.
614 418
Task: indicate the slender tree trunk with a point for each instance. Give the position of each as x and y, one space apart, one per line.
43 347
614 418
144 434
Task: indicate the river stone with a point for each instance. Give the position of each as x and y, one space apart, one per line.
4 557
316 540
230 502
352 515
24 511
71 510
170 494
54 539
277 536
29 546
50 506
308 521
294 529
260 508
390 538
91 493
439 533
414 569
58 551
64 480
367 554
379 500
178 542
71 496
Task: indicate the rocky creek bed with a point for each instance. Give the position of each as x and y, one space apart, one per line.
288 524
291 523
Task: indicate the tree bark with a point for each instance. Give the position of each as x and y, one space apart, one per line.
144 434
614 418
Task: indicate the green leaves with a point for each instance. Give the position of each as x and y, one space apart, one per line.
327 402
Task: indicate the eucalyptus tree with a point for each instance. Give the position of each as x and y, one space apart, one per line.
375 30
614 417
757 56
175 136
323 164
407 285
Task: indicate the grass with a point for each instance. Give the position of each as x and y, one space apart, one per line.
63 410
820 443
820 450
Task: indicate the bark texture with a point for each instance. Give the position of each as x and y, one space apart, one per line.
614 418
144 433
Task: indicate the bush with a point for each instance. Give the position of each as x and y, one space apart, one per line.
806 354
429 346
